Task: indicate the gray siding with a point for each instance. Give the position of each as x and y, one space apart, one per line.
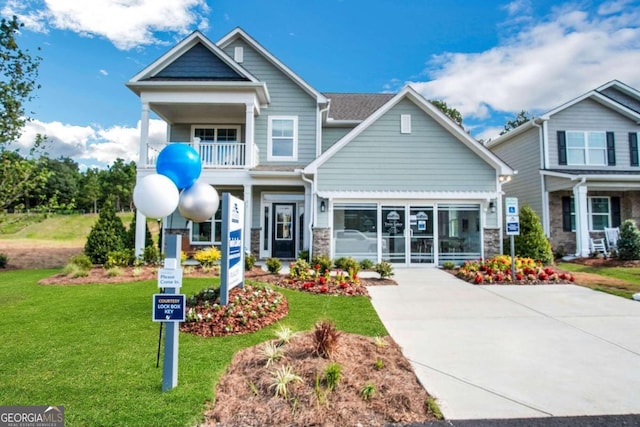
428 159
331 135
589 115
181 132
523 154
287 99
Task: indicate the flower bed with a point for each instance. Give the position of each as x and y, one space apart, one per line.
321 280
497 270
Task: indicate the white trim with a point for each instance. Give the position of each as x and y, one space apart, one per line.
411 94
598 97
238 54
239 33
217 127
409 195
405 123
585 147
294 155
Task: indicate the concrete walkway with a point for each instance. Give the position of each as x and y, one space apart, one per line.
515 351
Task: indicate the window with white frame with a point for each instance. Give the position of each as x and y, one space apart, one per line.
217 133
283 138
598 213
207 232
586 148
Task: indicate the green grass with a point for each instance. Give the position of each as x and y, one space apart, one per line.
628 278
92 348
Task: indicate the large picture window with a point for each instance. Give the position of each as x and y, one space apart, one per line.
598 212
208 232
354 230
586 148
283 138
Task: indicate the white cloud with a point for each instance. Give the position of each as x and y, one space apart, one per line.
91 145
126 23
542 64
103 72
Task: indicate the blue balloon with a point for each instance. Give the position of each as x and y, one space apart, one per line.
180 163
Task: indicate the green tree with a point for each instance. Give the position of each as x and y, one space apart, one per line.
118 182
107 235
20 179
61 189
629 241
521 118
451 112
89 192
18 75
531 242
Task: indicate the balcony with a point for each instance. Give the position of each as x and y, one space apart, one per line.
214 155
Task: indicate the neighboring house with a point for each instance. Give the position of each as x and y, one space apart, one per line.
578 165
375 176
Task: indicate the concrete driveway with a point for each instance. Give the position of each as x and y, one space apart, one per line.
515 351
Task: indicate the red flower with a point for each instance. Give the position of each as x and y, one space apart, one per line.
519 276
322 280
323 289
343 285
478 279
549 271
317 267
543 276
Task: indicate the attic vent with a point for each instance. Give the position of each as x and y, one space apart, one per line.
238 54
405 123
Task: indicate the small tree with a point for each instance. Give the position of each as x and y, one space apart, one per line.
106 235
629 241
531 242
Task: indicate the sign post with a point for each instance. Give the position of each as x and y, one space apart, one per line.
169 308
513 228
232 271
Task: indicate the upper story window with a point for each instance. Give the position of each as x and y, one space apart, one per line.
586 148
217 133
283 138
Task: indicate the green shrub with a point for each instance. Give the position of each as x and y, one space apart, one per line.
208 257
273 265
122 258
384 269
304 254
531 242
3 260
332 375
322 261
151 255
114 272
81 261
300 269
130 234
448 265
367 264
629 241
106 235
249 261
350 265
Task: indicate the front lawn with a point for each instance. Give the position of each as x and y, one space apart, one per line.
92 348
621 281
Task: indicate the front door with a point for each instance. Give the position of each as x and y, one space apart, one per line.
284 231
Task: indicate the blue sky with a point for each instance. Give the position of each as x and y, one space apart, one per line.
488 59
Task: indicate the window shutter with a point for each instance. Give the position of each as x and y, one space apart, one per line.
633 148
562 148
615 212
566 213
611 149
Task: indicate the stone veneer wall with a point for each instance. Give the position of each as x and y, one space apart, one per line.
491 242
255 242
321 241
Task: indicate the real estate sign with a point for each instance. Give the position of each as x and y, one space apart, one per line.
232 263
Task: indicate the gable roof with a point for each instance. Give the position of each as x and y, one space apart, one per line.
239 33
616 95
411 94
354 106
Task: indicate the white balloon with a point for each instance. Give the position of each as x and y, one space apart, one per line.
199 202
156 196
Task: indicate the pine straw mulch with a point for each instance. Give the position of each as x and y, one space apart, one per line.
244 396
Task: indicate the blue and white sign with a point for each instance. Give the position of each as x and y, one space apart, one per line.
232 271
511 205
168 307
513 225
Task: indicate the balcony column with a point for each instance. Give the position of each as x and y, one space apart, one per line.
248 137
248 208
144 135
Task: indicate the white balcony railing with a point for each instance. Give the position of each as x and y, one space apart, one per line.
230 155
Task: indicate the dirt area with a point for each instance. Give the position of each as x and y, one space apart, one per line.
28 254
589 279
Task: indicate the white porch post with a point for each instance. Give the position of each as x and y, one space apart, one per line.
248 209
582 221
141 220
248 138
144 135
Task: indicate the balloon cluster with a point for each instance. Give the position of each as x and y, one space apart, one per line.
178 168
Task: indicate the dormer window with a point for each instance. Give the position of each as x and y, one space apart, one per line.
283 138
